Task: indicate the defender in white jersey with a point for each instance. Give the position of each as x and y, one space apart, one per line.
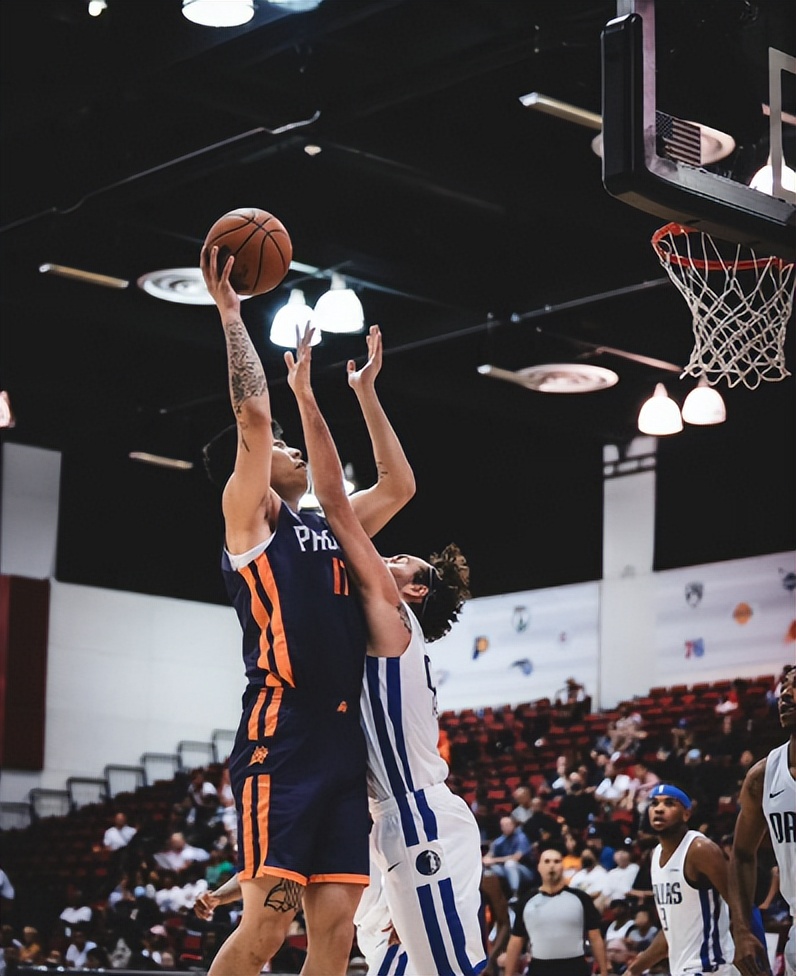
424 838
768 802
689 882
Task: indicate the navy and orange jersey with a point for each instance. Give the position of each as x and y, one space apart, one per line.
303 625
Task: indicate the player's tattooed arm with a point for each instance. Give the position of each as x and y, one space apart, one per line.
285 896
246 374
404 615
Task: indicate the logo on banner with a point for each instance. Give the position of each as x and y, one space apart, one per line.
695 648
788 580
480 646
520 619
694 593
742 614
524 665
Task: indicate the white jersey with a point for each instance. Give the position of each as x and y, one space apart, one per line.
696 921
779 807
399 716
424 839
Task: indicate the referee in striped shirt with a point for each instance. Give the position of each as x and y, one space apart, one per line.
555 922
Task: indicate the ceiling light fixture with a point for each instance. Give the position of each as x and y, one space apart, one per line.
77 274
96 7
763 180
660 415
296 6
556 377
218 13
185 286
339 310
159 461
292 317
704 405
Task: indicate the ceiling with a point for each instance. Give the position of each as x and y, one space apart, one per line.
475 231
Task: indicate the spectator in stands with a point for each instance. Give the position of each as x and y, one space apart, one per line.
591 878
577 807
167 961
620 879
572 700
226 801
735 699
602 851
194 884
504 854
76 911
178 855
7 894
571 862
643 931
627 731
119 834
728 743
541 825
523 798
623 922
615 789
96 958
218 868
646 842
79 947
123 892
31 952
170 897
202 798
9 948
559 780
644 781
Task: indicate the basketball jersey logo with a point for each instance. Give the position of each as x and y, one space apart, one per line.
428 862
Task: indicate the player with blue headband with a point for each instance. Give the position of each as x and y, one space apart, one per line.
689 882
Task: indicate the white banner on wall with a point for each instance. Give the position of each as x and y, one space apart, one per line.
730 619
519 647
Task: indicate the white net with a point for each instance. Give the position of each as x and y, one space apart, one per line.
740 305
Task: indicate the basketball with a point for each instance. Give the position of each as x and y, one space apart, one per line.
260 244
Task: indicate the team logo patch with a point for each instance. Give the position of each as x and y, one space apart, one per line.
258 756
428 862
695 648
524 665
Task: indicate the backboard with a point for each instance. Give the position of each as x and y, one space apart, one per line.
680 79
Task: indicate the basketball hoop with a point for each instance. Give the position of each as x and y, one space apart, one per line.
740 305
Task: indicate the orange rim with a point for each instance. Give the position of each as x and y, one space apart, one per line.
672 257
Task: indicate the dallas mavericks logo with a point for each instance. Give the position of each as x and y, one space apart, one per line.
428 862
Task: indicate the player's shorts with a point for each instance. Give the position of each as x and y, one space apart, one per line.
428 848
298 775
790 952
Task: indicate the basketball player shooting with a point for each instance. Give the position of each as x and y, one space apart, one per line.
768 801
298 764
424 839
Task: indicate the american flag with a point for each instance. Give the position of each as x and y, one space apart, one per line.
678 140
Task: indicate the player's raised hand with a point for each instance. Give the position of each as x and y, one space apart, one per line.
298 366
217 283
366 376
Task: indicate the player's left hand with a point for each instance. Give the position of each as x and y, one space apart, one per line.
366 376
298 366
751 958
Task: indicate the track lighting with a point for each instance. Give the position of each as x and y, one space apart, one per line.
339 310
293 317
218 13
704 405
660 415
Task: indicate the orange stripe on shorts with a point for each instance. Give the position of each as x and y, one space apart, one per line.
248 835
254 718
272 712
263 809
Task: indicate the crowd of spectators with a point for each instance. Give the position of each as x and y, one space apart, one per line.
591 801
